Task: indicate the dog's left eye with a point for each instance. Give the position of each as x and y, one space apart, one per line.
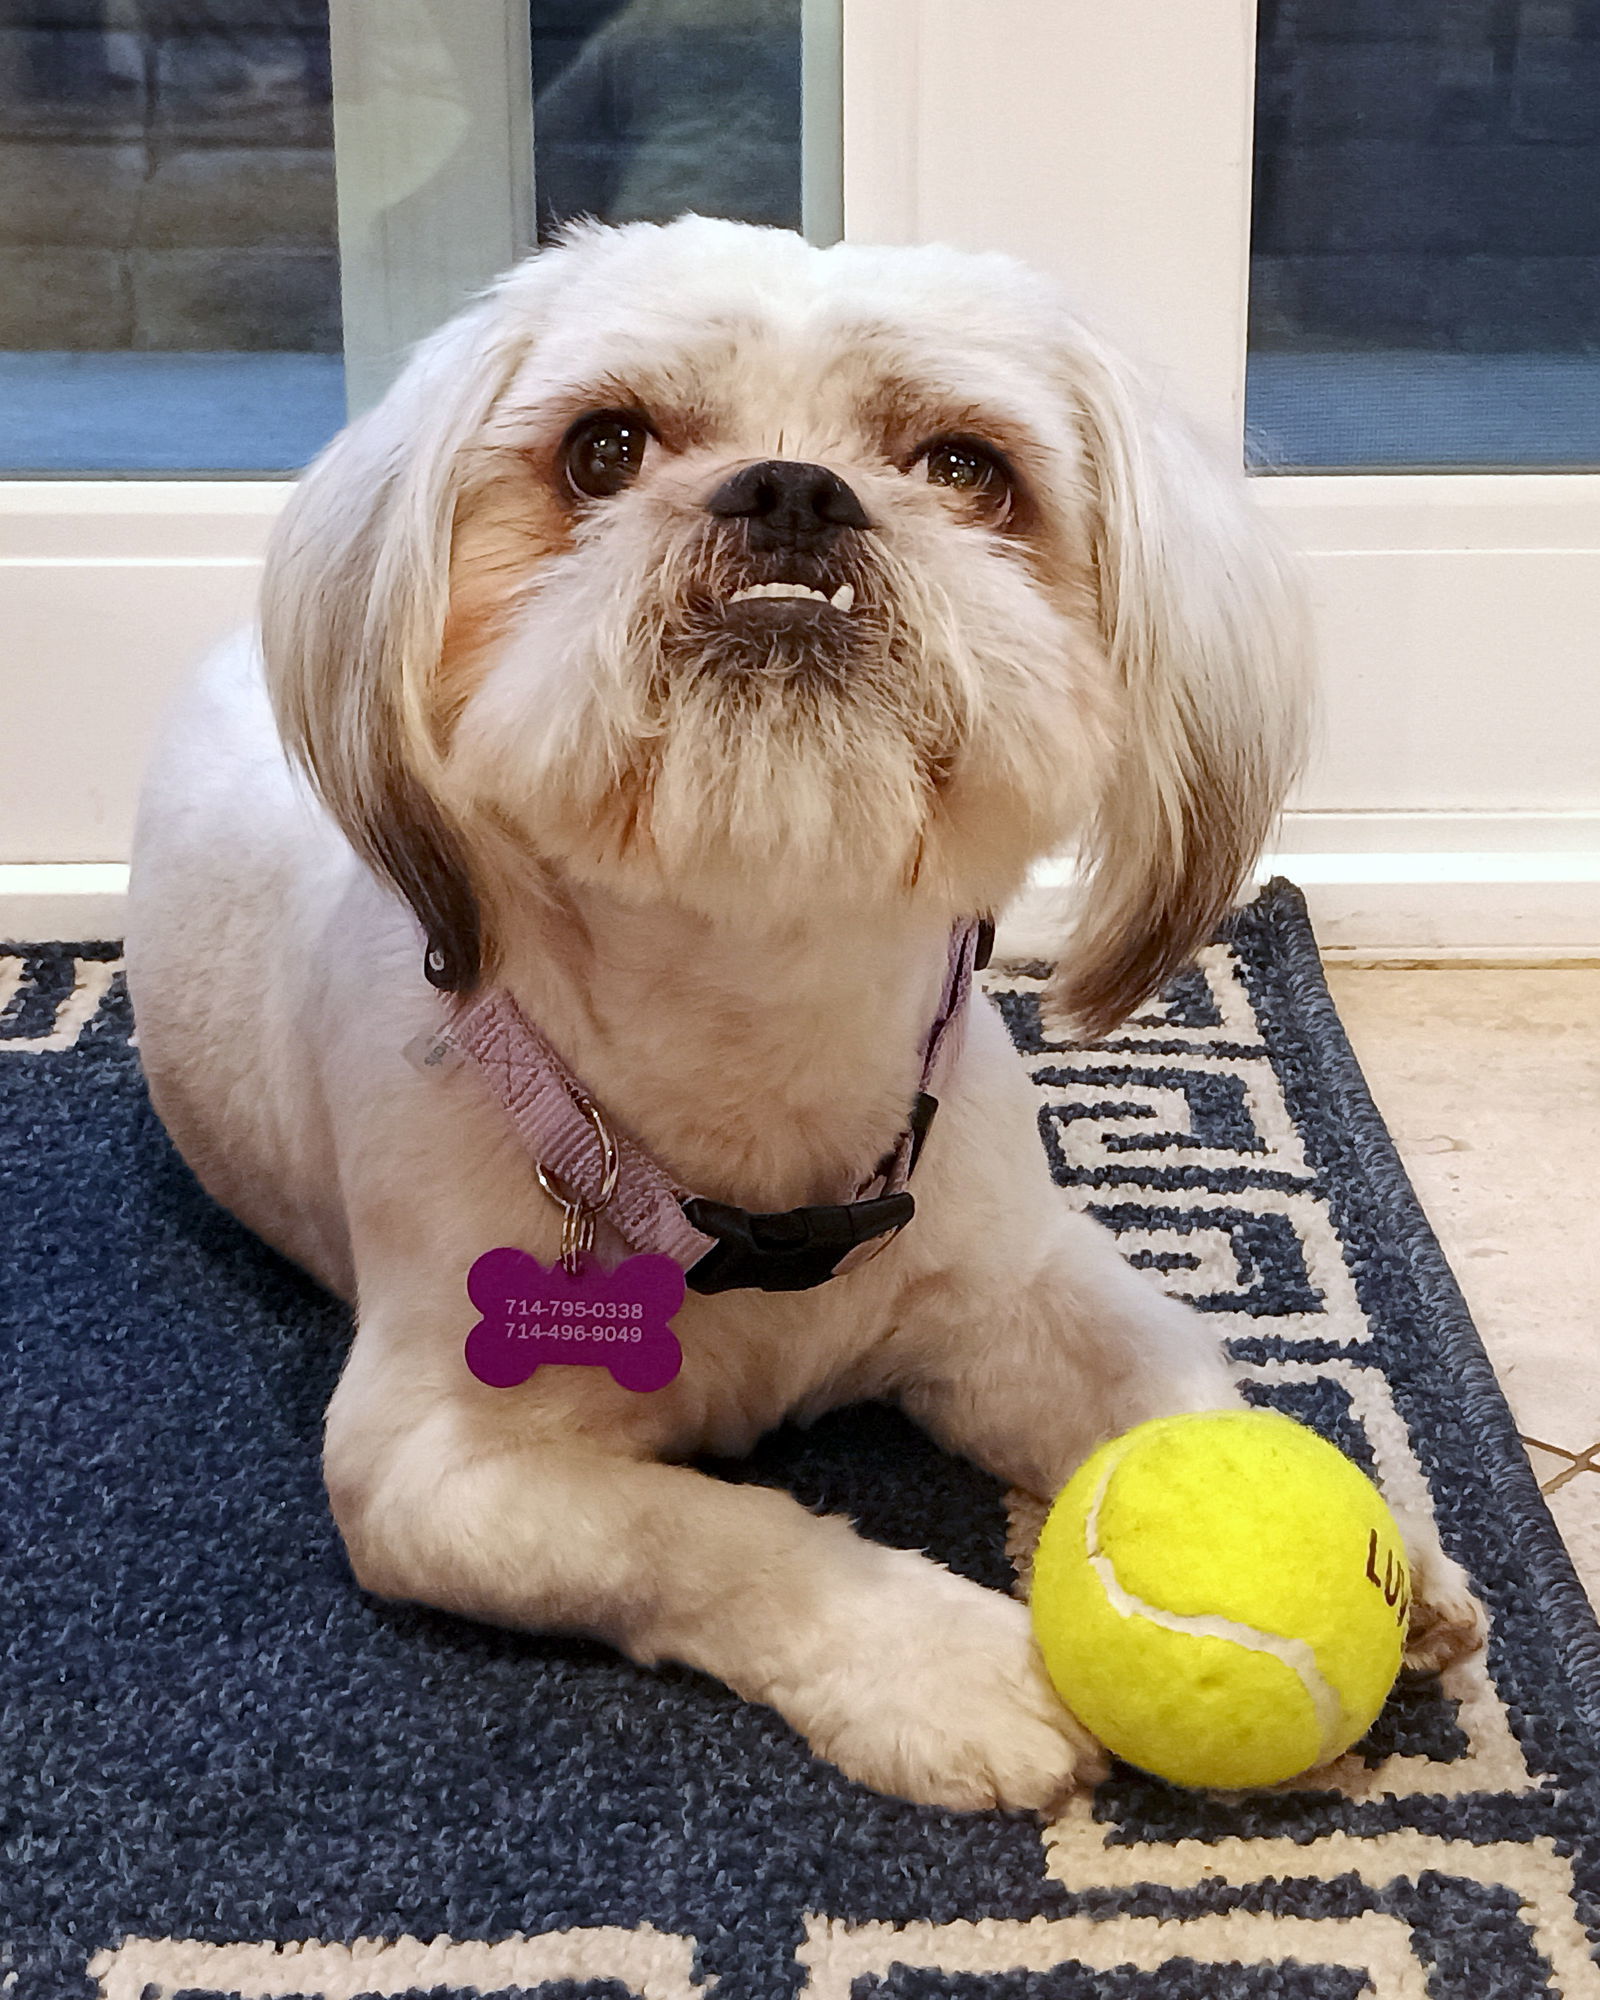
969 467
603 453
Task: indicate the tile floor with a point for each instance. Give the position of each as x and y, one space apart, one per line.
1490 1082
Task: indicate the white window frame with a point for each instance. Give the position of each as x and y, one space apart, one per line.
1454 805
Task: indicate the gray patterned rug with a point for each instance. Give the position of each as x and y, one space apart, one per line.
227 1775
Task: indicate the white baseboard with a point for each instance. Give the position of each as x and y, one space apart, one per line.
1451 905
72 899
1447 886
1435 905
1395 835
1504 913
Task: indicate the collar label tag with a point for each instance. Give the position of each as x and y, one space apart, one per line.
433 1053
591 1318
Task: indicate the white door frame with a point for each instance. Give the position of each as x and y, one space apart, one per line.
1454 806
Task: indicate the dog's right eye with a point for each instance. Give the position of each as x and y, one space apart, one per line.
603 453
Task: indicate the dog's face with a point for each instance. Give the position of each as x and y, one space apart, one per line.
763 585
714 567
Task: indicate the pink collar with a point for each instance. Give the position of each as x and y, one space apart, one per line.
601 1173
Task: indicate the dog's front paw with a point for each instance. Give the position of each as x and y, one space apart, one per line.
943 1699
1447 1621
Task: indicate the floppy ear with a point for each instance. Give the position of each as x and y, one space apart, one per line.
1204 632
353 607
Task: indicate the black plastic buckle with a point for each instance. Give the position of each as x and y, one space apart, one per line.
791 1249
919 1125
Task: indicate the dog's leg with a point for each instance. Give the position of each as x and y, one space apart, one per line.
1053 1349
1447 1621
910 1679
1086 1348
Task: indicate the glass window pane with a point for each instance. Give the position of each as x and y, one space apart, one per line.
645 108
169 281
1425 254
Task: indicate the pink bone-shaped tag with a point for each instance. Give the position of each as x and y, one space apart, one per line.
594 1318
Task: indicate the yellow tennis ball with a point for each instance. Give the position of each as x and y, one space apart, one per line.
1222 1598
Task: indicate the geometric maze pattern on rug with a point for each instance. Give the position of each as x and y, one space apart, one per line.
1385 1875
1226 1138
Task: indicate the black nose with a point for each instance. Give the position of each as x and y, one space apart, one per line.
787 504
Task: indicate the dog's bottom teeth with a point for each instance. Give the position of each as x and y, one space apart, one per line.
841 600
777 590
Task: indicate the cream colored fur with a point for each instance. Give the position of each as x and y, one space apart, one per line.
722 885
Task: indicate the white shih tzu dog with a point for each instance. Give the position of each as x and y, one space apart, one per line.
651 693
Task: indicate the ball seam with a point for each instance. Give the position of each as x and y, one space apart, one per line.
1295 1654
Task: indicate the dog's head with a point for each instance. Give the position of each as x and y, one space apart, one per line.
708 565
